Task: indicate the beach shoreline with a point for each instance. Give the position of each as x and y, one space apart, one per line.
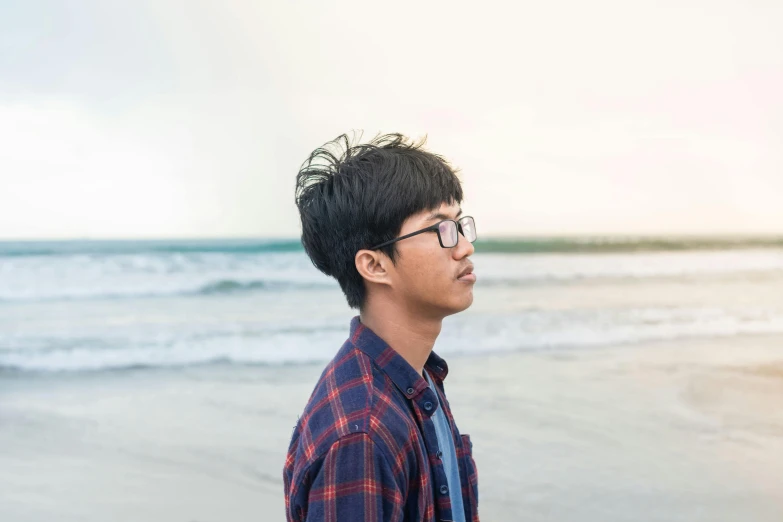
677 430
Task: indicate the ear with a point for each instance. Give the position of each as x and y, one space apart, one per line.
373 266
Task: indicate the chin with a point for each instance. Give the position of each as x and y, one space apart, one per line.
468 301
460 305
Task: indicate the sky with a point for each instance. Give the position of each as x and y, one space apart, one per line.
157 119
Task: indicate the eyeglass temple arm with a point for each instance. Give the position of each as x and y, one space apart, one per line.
406 236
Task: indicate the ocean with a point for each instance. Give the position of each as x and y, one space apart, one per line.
91 306
600 379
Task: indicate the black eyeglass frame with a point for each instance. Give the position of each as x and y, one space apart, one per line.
436 228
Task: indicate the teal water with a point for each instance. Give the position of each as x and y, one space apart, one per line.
528 245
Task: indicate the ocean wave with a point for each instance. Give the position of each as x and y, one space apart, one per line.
531 330
89 277
628 279
224 287
213 288
230 286
111 277
611 244
287 345
131 247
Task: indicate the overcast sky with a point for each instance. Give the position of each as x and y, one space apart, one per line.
183 119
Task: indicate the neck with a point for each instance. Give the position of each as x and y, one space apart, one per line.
411 336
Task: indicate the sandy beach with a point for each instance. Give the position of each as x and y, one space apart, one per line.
686 430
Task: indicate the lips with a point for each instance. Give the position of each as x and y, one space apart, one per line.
466 274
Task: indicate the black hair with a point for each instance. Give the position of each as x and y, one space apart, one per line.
353 196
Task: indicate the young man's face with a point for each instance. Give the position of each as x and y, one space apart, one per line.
426 275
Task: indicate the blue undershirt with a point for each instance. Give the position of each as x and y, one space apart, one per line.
449 457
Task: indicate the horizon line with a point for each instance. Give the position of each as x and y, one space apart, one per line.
491 237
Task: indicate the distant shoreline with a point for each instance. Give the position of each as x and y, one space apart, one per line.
506 245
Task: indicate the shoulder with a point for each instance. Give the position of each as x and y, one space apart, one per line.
353 396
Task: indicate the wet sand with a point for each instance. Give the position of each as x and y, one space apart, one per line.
686 430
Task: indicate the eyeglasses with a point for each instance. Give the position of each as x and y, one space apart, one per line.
447 232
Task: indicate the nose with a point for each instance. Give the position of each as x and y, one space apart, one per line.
463 248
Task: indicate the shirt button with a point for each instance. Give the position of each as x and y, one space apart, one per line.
444 489
410 391
439 454
428 405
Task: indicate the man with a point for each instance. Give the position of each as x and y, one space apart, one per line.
377 441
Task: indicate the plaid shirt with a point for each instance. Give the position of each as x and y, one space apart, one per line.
365 449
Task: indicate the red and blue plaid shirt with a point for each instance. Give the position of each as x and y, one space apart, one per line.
365 449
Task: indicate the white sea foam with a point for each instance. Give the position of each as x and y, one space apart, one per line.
86 311
465 334
124 275
95 276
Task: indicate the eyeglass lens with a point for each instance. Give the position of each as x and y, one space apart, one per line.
448 231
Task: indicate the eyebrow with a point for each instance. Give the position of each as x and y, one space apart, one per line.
441 216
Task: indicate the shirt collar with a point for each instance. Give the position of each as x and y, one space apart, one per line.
392 363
